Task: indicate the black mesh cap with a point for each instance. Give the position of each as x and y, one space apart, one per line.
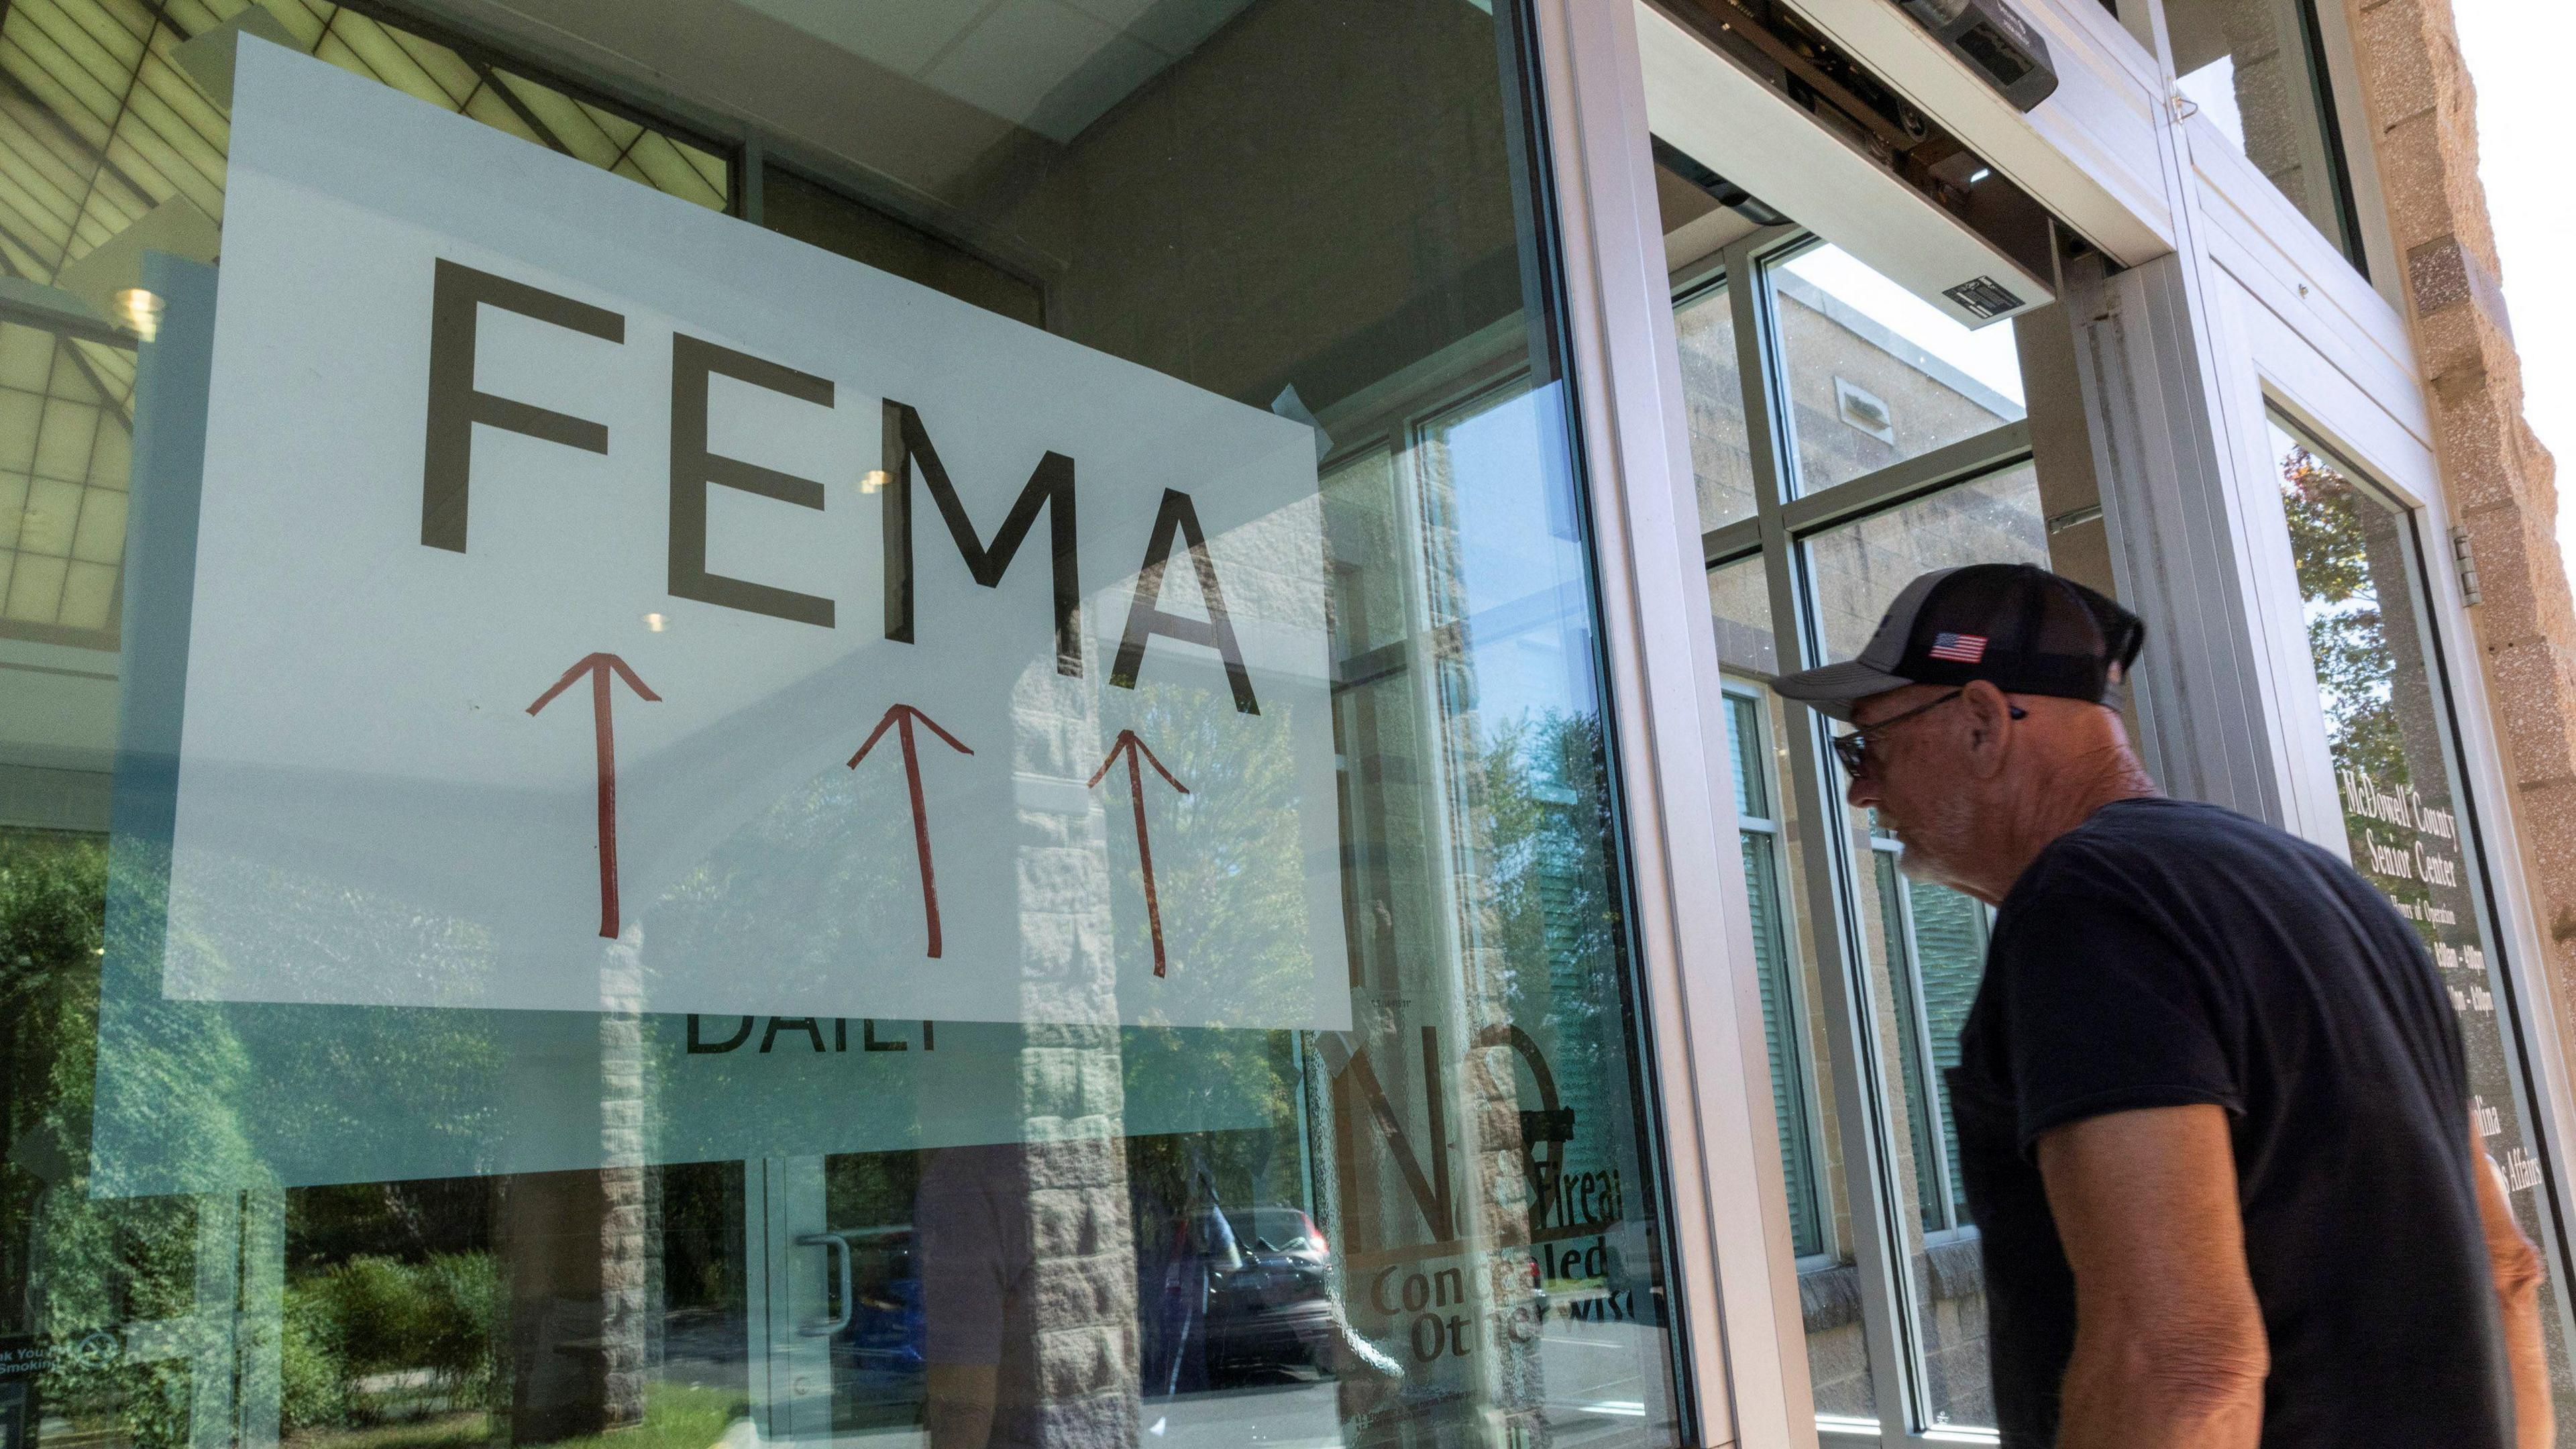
2023 629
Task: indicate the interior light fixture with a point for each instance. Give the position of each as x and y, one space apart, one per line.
108 278
654 622
138 311
875 480
1980 174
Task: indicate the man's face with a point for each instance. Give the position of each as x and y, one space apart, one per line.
1915 775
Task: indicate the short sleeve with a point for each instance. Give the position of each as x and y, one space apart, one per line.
2104 1008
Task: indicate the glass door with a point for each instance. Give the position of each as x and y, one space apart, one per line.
1068 893
2410 821
1847 438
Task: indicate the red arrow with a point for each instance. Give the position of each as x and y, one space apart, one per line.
901 716
1131 747
598 667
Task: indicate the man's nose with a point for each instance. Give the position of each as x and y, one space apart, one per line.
1862 792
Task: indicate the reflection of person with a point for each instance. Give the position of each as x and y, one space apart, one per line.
2211 1095
1181 1253
971 1236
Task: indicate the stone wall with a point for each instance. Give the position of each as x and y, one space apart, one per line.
2501 481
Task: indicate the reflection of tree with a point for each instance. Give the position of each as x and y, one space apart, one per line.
1233 879
76 1266
1233 887
383 1279
2347 633
833 853
1554 913
190 1091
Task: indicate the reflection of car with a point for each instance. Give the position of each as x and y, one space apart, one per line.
1273 1312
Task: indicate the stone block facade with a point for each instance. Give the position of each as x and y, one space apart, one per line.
2422 110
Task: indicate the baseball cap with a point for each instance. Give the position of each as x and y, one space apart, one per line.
2022 628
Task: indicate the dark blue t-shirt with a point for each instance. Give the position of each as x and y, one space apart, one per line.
2166 953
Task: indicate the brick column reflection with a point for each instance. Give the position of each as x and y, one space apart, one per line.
1072 1099
574 1248
623 1246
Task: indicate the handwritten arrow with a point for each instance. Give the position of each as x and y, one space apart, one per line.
598 666
1131 747
900 717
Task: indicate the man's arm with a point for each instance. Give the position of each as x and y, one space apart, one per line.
2169 1345
958 1404
2518 1271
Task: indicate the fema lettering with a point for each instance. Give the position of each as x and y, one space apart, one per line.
456 407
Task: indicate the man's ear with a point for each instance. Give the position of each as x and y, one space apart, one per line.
1988 716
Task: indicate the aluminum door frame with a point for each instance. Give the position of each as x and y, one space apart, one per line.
1742 1329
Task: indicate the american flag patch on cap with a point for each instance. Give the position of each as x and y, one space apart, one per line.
1959 648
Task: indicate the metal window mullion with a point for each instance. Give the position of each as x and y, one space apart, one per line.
1723 545
1767 440
1954 462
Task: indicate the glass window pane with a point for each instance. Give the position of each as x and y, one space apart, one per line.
816 215
1949 961
1922 945
1813 1136
1752 783
1896 927
1791 1084
1857 570
1740 598
1875 375
2387 725
1067 1212
1809 1124
66 409
1713 402
2254 69
62 531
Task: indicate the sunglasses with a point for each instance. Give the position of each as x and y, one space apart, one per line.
1852 749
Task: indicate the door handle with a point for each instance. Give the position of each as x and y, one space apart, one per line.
839 1247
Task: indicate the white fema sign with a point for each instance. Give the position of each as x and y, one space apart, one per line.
600 600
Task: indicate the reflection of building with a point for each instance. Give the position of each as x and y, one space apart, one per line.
1831 354
1529 1196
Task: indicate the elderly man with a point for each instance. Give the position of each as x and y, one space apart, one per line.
2212 1105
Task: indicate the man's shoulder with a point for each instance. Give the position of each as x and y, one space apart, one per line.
2156 819
2121 838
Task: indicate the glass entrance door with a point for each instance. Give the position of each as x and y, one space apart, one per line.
1847 438
2411 826
927 765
